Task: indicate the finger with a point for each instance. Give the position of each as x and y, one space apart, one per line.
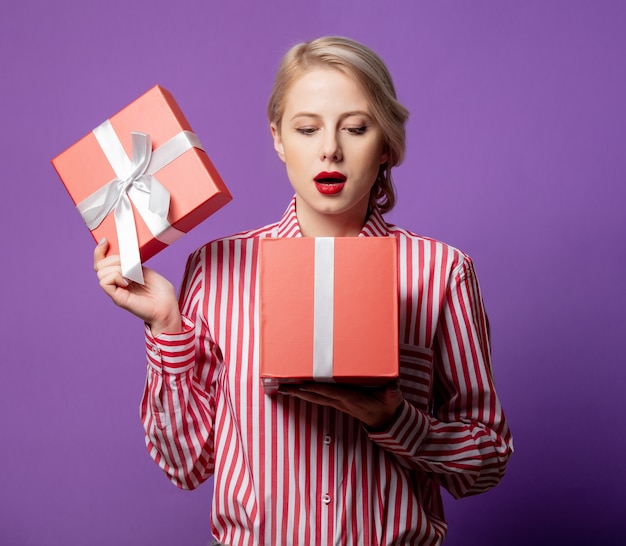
312 397
100 252
392 385
111 282
353 393
334 391
108 262
107 269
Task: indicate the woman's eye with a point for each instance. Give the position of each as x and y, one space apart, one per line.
305 130
356 130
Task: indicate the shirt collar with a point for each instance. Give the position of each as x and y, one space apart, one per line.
375 226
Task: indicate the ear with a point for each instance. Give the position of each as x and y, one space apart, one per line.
385 155
278 141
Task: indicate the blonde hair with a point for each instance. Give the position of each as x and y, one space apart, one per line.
368 69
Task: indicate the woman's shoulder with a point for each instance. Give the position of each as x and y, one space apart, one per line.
257 233
409 236
427 247
246 237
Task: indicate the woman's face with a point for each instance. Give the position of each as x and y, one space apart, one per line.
332 148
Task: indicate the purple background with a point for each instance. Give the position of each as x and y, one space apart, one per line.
516 154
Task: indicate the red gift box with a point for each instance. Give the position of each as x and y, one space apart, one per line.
329 310
142 179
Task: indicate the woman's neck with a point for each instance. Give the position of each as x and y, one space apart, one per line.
313 224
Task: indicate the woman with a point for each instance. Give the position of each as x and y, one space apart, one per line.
348 466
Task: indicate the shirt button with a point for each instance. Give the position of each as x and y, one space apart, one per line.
328 439
326 499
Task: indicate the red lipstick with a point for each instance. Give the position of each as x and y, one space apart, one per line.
330 183
330 178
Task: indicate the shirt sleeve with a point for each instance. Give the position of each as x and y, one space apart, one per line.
177 408
464 443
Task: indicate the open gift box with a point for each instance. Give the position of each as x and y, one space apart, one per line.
142 179
329 310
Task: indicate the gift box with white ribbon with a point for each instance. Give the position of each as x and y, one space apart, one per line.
142 179
328 310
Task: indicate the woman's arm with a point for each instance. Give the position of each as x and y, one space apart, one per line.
465 442
176 409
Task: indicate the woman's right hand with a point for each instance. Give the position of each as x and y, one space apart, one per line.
154 302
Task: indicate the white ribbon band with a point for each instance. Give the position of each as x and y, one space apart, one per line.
135 181
323 308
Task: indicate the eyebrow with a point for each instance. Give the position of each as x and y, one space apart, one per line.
343 116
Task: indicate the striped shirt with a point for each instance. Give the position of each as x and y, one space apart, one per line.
288 472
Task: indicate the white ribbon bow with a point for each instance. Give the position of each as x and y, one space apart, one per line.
135 181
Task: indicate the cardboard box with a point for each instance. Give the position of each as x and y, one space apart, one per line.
329 310
195 187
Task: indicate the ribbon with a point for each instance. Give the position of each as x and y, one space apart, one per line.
323 308
135 181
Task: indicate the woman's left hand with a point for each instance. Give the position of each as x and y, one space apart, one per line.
374 406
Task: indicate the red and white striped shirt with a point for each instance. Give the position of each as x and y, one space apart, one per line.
288 472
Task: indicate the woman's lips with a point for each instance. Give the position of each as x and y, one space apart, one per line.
329 188
330 183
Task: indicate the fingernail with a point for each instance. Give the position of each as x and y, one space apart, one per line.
102 241
125 281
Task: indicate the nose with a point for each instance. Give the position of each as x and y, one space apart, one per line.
331 150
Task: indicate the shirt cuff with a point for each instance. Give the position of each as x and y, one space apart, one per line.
171 353
406 433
